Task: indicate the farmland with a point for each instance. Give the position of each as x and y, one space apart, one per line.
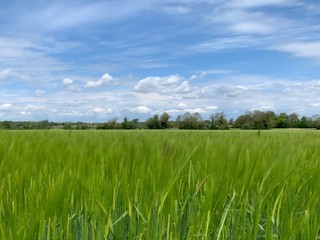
160 184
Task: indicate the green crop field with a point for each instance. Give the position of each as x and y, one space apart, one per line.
160 184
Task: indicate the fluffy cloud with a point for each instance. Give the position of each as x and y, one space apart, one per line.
67 82
141 109
30 109
173 84
70 85
101 111
105 80
182 105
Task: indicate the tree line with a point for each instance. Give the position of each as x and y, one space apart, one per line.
217 121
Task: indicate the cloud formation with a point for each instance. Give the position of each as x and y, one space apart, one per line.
173 84
141 109
266 55
5 106
105 80
309 49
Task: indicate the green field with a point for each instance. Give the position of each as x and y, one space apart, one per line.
160 184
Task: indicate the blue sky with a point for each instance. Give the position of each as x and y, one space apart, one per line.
92 60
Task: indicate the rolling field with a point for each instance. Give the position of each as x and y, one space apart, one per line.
160 184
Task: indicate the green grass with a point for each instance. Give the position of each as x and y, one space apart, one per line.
159 185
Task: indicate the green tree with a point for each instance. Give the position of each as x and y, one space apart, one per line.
218 121
153 122
294 120
164 120
190 121
283 121
127 124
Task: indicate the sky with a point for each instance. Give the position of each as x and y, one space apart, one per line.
94 60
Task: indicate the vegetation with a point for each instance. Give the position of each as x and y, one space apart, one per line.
217 121
159 184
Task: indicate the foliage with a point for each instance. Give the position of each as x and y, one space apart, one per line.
157 122
159 185
218 121
190 121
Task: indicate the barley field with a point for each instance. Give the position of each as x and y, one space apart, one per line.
160 184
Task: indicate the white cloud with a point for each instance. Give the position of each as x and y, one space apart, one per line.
268 107
98 110
4 74
39 93
105 80
25 113
70 85
5 106
195 110
34 108
101 111
141 109
67 82
252 27
8 73
243 21
182 105
315 104
309 49
31 109
218 91
173 84
211 108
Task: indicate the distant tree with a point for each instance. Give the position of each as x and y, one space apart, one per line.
243 121
190 121
6 124
305 122
67 126
282 121
127 124
135 123
153 122
262 120
218 121
294 120
256 120
316 121
164 120
44 124
111 124
231 122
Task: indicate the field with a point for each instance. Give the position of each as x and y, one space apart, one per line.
160 184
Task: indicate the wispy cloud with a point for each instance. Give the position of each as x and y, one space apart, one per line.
310 49
5 106
261 3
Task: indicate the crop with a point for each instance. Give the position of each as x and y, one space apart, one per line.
159 184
